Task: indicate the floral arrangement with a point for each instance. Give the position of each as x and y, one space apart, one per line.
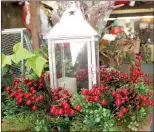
121 102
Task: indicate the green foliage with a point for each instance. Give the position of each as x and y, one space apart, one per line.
41 126
94 114
133 126
141 89
147 57
61 123
34 61
6 77
10 108
24 121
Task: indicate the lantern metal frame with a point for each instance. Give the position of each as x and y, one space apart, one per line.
87 35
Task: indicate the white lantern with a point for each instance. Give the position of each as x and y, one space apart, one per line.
72 45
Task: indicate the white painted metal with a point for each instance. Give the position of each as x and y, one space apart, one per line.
71 25
50 63
89 64
62 60
54 64
93 52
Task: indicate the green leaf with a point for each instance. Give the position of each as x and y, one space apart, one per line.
3 57
40 62
31 63
17 46
97 119
21 54
7 60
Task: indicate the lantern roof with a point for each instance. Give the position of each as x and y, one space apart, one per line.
72 25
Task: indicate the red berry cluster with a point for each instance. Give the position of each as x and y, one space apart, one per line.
64 107
66 45
60 93
122 112
107 75
145 100
37 84
24 98
94 94
121 97
137 74
82 75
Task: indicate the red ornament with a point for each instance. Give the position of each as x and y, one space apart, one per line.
117 30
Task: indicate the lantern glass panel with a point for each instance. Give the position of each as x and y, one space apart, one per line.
71 62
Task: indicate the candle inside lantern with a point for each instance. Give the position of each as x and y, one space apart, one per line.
68 83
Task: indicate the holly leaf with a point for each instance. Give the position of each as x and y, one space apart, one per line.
7 60
17 46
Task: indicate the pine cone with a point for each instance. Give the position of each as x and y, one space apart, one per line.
114 83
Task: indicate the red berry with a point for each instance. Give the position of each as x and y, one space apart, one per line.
28 102
32 88
41 97
15 87
138 107
150 94
66 106
34 108
67 111
87 99
95 98
32 98
150 102
56 97
145 98
34 92
52 111
141 97
85 92
120 114
19 90
20 100
139 57
8 88
118 96
137 63
61 111
118 102
20 95
107 88
124 110
147 74
125 91
72 112
104 102
144 104
54 107
78 107
37 99
114 93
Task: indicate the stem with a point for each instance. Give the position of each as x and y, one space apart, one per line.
115 109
